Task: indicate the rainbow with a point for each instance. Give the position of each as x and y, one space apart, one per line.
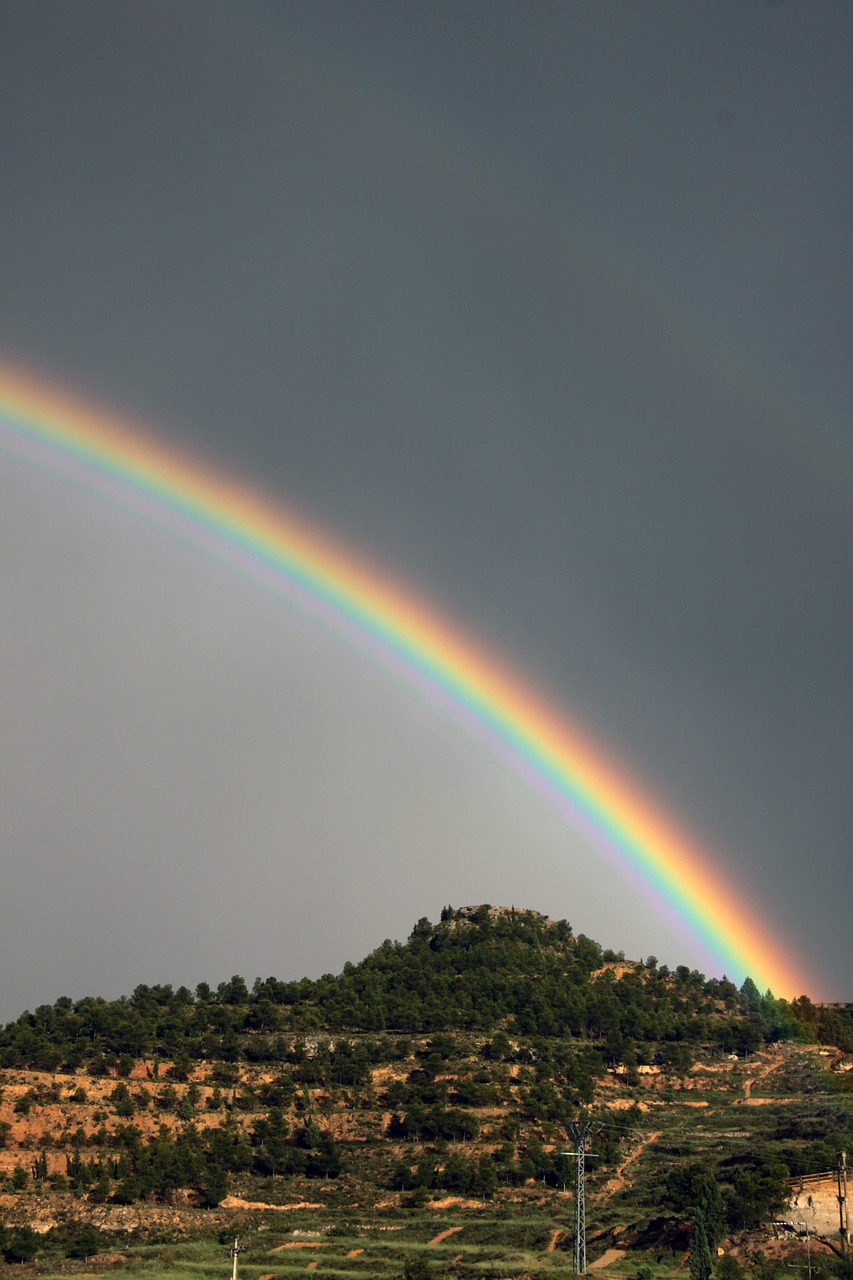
47 426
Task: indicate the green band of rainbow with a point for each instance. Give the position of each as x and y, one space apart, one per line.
575 774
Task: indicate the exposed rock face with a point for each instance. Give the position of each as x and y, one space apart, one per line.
44 1212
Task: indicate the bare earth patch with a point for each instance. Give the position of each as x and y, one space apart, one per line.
234 1202
455 1202
609 1255
815 1203
443 1235
302 1244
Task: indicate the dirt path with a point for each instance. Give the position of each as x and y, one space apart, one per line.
552 1244
442 1235
750 1081
301 1244
617 1182
609 1255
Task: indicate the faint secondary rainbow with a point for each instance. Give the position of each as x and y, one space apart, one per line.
51 427
812 434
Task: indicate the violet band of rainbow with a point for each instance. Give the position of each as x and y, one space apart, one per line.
585 783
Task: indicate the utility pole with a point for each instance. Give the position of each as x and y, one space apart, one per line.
235 1253
843 1219
581 1133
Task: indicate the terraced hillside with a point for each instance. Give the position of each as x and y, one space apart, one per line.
433 1140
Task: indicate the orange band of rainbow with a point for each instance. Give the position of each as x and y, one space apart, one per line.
52 426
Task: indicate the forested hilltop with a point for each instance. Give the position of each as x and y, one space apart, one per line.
441 1075
479 969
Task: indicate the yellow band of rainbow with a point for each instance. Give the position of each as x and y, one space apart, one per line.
593 789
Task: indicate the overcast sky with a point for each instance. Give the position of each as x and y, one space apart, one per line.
544 307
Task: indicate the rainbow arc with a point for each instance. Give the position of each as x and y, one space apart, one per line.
51 427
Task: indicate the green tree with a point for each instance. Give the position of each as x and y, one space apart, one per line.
83 1242
181 1067
123 1101
269 1137
485 1181
417 1268
22 1245
693 1187
214 1186
757 1194
728 1268
185 1109
701 1266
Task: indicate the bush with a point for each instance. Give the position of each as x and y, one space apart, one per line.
83 1242
21 1246
214 1187
417 1268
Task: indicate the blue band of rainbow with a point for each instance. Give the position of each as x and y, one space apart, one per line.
51 426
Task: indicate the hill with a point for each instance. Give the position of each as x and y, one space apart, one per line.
428 1091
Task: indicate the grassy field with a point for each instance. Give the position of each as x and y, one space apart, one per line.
464 1243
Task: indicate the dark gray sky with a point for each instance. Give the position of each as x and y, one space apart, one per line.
544 307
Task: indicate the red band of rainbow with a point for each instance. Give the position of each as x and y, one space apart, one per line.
53 427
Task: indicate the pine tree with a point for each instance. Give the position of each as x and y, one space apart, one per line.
701 1266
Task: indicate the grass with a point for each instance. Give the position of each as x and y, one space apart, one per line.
483 1246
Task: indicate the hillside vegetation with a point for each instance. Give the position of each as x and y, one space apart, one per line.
427 1091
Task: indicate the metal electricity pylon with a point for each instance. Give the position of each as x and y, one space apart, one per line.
581 1133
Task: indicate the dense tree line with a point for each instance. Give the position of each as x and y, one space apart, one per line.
735 1196
475 971
126 1167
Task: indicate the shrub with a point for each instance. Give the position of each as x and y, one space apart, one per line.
84 1241
22 1245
